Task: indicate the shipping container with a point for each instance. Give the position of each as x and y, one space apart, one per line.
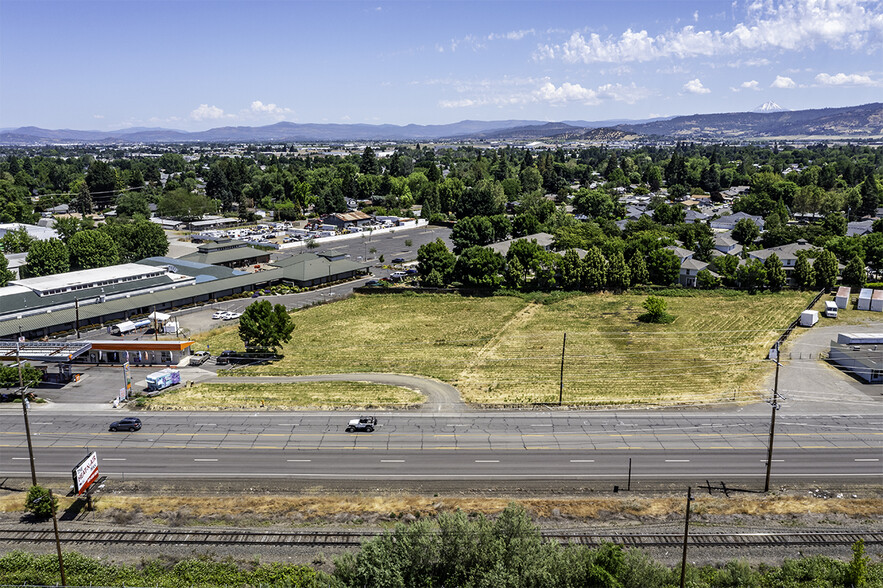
877 301
864 299
842 298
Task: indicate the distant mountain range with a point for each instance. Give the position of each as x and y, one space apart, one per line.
770 120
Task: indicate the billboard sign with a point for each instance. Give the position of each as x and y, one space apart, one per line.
85 473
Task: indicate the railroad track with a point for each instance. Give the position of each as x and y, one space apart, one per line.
181 537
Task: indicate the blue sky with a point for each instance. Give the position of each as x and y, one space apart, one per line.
198 64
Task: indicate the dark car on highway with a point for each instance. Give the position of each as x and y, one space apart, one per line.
126 424
399 260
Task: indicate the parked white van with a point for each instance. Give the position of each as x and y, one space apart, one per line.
831 309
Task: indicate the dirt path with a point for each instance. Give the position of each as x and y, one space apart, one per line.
467 377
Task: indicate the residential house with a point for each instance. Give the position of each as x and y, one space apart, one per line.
725 245
728 223
787 254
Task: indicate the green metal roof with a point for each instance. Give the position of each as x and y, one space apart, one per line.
227 255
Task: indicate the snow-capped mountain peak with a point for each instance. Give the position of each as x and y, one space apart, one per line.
769 106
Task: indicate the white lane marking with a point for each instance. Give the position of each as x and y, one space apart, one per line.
392 461
299 460
677 461
42 423
20 458
113 459
582 461
774 461
867 459
453 425
542 425
287 425
206 425
206 459
487 461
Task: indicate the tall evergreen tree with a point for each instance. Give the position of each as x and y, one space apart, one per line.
804 275
775 273
855 274
638 269
618 273
825 267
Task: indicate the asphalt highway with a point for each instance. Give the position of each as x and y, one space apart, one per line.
672 445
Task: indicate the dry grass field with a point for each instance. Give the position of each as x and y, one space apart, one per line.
505 350
287 396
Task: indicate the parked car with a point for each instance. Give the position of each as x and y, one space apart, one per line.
372 283
126 424
363 423
232 315
399 260
199 358
219 314
411 271
224 357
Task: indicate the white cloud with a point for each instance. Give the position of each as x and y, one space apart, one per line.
790 25
98 116
842 79
511 35
206 112
783 82
259 107
750 85
545 92
696 16
696 87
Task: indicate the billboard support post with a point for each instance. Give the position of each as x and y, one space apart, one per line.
57 539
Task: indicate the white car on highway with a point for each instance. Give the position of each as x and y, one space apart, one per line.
219 314
229 316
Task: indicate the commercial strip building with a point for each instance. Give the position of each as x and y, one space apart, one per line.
64 303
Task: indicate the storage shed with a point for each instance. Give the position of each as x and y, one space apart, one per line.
864 299
842 298
877 301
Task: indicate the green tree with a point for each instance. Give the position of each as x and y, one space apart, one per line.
638 269
132 204
855 274
663 267
102 183
705 280
618 273
46 258
368 163
775 273
804 274
265 327
595 203
726 266
435 261
5 274
571 270
68 226
857 570
183 205
38 502
656 311
486 198
83 199
594 270
501 225
745 231
479 267
470 231
825 268
137 240
91 249
751 276
16 241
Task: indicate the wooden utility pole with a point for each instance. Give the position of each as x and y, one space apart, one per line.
57 539
686 535
775 407
24 408
561 381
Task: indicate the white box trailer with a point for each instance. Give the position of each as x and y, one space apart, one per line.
809 317
864 299
877 301
842 298
860 338
830 309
